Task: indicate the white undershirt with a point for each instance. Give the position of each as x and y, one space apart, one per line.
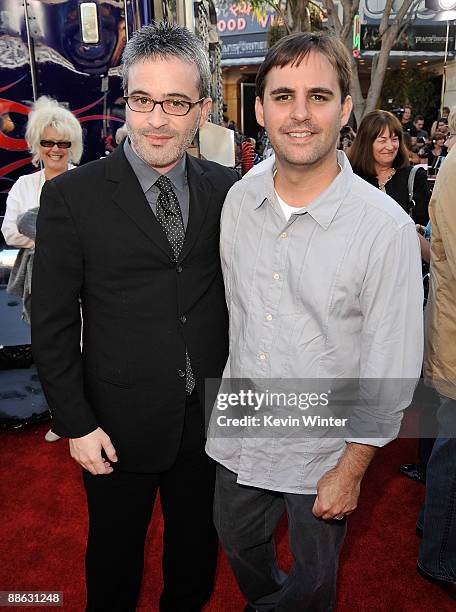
292 210
287 209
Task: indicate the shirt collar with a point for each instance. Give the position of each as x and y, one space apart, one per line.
147 175
324 207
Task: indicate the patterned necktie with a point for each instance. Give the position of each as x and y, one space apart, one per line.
169 216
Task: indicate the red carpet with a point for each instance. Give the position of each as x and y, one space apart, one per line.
43 526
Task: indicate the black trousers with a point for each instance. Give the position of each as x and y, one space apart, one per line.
120 507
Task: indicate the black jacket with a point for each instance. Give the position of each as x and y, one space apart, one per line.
99 241
397 188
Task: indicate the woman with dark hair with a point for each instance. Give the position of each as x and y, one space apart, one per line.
436 151
379 156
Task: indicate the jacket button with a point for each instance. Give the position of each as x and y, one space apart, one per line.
179 269
181 373
183 319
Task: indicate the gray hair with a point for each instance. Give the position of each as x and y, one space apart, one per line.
452 120
49 113
161 39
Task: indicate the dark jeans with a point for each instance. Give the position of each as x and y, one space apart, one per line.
428 426
246 517
437 556
120 507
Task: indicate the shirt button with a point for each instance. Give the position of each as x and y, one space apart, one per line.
179 269
284 235
181 373
268 317
276 276
183 319
262 356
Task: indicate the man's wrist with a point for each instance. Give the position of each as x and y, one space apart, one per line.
355 460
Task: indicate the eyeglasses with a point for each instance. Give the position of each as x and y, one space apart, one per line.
62 144
143 104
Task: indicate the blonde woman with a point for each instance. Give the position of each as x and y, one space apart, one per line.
54 137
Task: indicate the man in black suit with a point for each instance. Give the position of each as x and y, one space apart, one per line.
131 242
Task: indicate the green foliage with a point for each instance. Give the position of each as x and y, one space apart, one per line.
414 87
275 33
305 14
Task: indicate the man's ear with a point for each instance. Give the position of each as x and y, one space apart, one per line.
206 106
259 111
347 106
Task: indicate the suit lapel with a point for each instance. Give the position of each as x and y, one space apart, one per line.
131 199
200 190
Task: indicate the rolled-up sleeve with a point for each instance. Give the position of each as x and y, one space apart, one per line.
392 334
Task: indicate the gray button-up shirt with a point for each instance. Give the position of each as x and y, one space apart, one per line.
147 177
333 293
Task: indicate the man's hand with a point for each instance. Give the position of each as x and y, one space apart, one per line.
337 494
338 490
87 452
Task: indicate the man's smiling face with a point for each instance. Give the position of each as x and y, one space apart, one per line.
302 110
158 138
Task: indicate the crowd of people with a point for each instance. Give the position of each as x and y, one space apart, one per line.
307 268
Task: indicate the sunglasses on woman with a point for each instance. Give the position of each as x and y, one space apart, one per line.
62 144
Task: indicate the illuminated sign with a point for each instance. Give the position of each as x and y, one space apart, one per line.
356 35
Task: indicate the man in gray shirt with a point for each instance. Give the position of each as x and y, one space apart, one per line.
323 281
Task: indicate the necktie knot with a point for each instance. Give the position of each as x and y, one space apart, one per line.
165 185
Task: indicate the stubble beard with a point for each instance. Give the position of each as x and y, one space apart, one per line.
309 155
161 156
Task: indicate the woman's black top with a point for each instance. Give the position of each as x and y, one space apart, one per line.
397 188
433 159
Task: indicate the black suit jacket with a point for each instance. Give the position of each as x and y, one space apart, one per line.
100 246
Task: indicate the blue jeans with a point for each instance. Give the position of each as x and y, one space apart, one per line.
437 556
246 517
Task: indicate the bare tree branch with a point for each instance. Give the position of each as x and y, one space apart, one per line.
385 16
390 29
333 15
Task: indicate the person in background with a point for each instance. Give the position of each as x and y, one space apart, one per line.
444 115
417 471
378 155
411 150
54 137
346 138
406 121
419 126
442 125
121 134
437 555
436 151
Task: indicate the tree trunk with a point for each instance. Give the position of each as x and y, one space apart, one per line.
389 32
359 103
299 15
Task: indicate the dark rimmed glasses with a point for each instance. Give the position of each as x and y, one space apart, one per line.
144 104
62 144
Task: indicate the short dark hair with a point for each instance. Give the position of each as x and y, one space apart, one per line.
419 118
292 49
162 40
371 126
